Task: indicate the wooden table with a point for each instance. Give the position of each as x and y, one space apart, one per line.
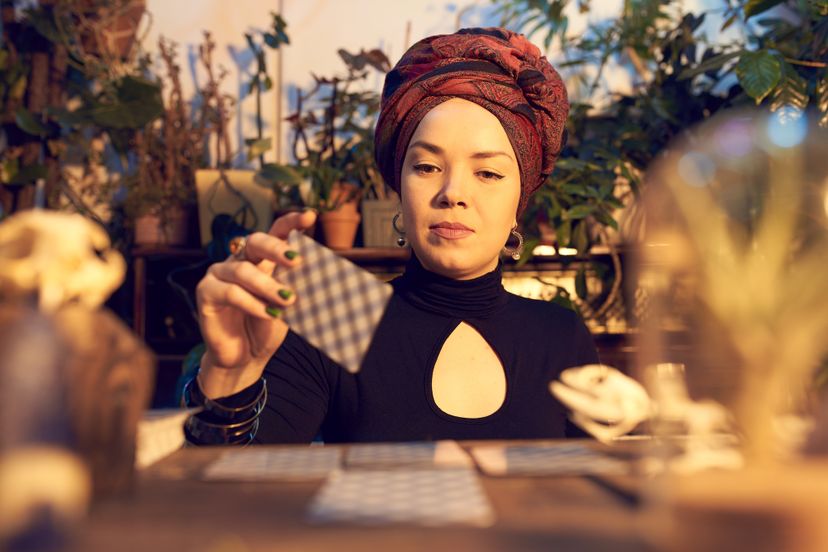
172 509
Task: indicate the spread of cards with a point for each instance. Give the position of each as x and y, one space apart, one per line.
423 483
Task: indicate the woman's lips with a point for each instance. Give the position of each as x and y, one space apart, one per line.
451 230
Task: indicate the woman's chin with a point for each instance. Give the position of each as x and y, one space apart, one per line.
454 262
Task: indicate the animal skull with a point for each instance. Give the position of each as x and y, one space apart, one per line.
604 402
57 258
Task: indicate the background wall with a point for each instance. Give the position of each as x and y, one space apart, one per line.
317 29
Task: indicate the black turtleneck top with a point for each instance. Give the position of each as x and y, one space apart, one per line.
390 399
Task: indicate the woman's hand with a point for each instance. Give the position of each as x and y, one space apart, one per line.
239 303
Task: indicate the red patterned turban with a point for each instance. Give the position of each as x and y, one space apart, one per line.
494 68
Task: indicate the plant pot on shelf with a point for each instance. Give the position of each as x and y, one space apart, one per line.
169 229
340 224
340 227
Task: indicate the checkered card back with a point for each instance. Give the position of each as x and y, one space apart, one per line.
338 305
546 460
265 464
415 496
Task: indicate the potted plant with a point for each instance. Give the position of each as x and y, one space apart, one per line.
63 102
332 143
160 192
239 193
679 79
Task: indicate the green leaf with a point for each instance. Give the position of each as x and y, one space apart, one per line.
792 90
822 99
250 43
606 219
279 26
580 240
69 119
268 83
29 124
563 233
8 170
274 40
715 62
273 173
29 174
755 7
580 211
528 251
580 283
729 21
257 147
18 88
137 102
562 299
758 72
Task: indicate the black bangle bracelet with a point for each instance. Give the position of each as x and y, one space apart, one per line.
194 396
197 434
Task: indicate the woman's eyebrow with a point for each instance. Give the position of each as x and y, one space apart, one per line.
437 150
489 154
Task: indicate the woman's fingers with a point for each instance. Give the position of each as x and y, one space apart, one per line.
265 247
299 220
228 294
246 276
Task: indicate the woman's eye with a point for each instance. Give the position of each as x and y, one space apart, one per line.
423 168
489 175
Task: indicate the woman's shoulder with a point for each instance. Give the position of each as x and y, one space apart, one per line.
544 312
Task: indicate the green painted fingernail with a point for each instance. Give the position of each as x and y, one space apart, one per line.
273 311
290 254
285 294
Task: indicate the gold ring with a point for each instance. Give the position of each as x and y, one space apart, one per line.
237 246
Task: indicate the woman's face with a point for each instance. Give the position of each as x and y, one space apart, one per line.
460 187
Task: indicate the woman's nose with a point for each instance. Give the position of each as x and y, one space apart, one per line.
454 192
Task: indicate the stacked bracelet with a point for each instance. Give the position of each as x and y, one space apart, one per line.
217 424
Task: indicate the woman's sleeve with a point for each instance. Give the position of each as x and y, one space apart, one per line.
300 382
586 351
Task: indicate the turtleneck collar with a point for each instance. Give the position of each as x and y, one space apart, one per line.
476 298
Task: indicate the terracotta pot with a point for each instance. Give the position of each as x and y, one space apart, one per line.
345 197
340 227
149 229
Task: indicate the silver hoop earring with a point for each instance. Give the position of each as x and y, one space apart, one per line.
517 251
400 233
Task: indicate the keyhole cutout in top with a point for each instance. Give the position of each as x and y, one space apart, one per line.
468 379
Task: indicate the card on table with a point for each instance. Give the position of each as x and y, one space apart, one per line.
438 454
160 433
338 305
260 464
416 496
545 459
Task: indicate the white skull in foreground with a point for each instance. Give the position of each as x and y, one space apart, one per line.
604 402
56 259
608 404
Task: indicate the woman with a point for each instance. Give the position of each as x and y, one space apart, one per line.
470 126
